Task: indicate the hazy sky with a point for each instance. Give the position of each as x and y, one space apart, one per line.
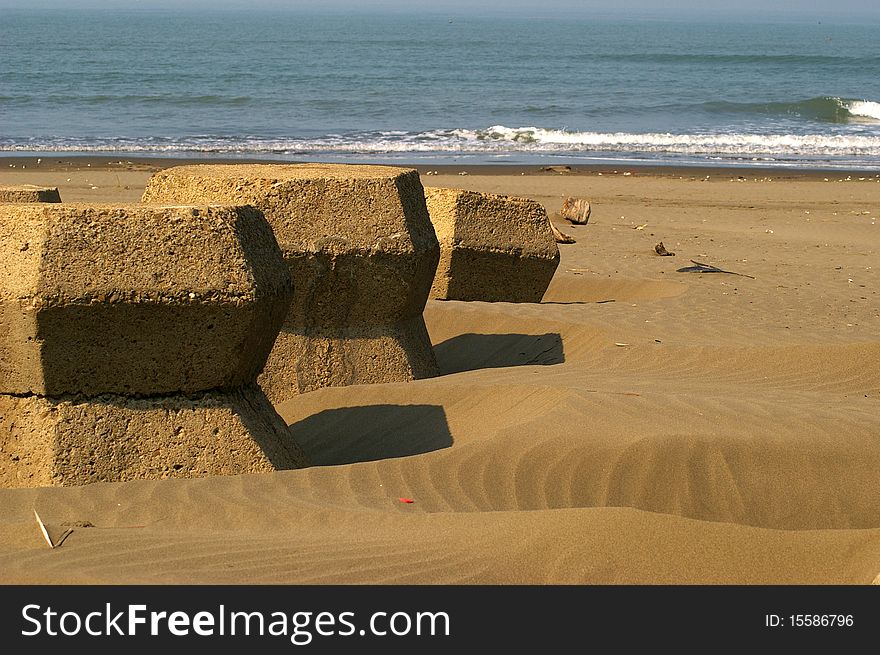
742 8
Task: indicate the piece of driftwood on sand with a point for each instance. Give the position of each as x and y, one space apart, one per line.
700 267
661 250
561 237
576 210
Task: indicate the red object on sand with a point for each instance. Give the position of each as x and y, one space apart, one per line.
408 501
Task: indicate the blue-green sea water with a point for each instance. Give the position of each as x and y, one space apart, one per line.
440 88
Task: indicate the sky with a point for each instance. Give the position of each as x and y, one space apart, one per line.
742 8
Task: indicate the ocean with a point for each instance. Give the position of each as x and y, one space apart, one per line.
440 88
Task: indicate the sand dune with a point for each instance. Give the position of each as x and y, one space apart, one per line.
642 425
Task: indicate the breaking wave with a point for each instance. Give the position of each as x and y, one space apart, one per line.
693 144
861 149
829 109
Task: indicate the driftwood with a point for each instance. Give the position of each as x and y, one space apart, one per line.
700 267
576 210
661 250
561 237
45 533
556 169
43 530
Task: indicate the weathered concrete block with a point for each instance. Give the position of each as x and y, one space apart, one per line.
77 440
28 193
361 252
136 300
127 331
492 248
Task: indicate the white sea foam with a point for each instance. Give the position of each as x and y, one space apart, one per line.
499 140
535 138
864 108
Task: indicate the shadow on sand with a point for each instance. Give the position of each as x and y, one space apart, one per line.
470 352
363 434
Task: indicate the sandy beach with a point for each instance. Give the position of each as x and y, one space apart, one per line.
640 425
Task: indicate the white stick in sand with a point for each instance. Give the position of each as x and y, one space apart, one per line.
43 530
